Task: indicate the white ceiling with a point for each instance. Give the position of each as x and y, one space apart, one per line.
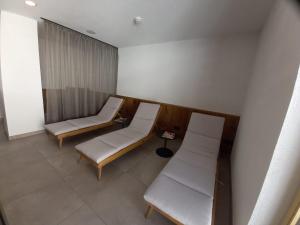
164 20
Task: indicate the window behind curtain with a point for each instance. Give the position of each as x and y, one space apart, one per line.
78 72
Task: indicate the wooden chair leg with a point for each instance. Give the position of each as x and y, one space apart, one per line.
148 211
60 142
80 158
99 172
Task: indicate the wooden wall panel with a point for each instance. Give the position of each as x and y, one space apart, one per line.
176 118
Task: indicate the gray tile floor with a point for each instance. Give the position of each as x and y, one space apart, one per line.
42 185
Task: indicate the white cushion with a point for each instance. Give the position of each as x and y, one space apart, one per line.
117 140
210 126
87 121
60 127
141 125
82 122
184 204
110 108
197 178
196 159
144 118
106 145
185 187
97 120
106 114
128 132
147 111
201 144
96 149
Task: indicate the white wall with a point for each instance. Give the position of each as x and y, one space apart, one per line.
20 72
282 180
2 108
1 94
208 73
267 101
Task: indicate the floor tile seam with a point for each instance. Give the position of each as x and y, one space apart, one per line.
38 189
72 213
87 204
30 193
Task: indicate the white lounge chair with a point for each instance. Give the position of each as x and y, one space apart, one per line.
184 190
106 148
74 127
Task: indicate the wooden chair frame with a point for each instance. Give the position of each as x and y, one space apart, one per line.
121 152
61 137
293 214
151 207
296 217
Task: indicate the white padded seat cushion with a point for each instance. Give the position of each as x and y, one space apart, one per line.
96 149
204 134
106 145
201 144
106 114
207 125
110 108
130 133
184 204
147 111
144 118
197 178
196 159
141 125
87 121
117 140
60 127
185 187
97 120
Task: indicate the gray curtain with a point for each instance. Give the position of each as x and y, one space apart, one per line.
78 72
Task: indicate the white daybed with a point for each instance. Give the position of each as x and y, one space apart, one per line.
106 148
184 190
74 127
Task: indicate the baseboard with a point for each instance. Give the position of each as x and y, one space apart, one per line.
26 135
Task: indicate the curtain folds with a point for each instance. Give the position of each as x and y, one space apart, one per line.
78 72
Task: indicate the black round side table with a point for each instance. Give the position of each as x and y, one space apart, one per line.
164 151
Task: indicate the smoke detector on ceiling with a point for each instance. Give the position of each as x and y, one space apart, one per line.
30 3
138 20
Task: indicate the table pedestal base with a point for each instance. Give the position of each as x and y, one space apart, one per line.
164 152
